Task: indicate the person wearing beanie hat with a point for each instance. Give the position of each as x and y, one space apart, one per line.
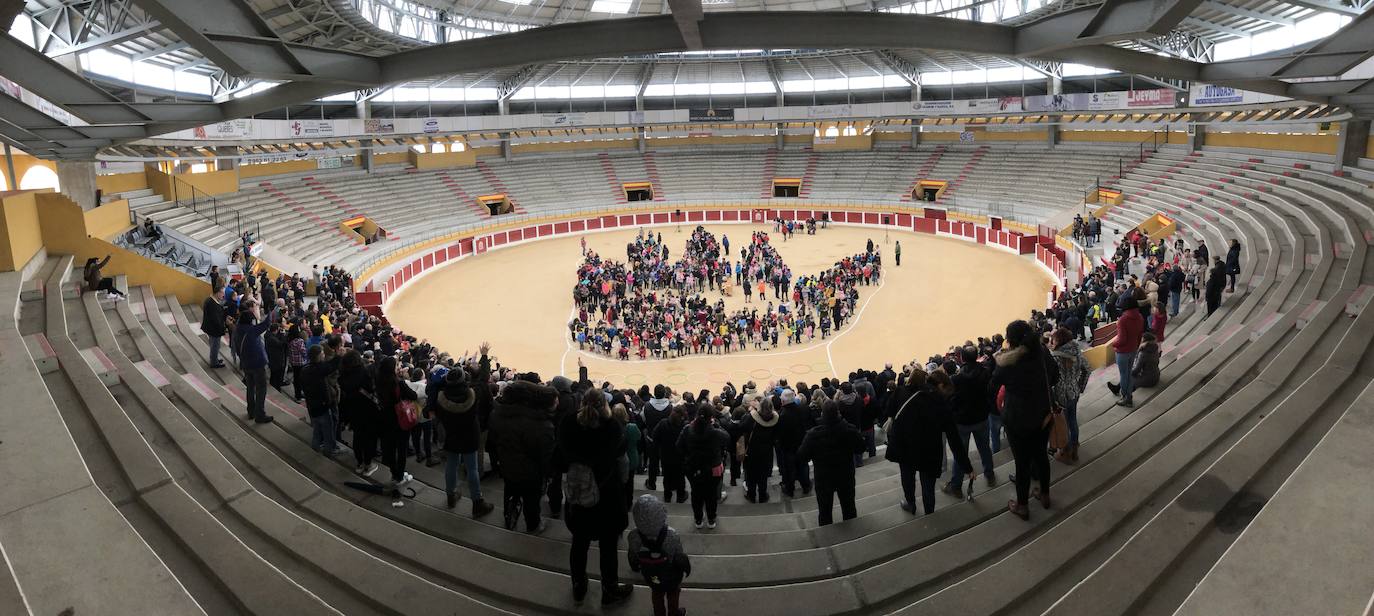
655 551
456 404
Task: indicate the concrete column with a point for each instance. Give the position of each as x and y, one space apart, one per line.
780 141
1197 136
915 132
363 109
9 168
641 143
1054 85
365 155
225 164
1353 141
503 108
1052 135
77 180
915 92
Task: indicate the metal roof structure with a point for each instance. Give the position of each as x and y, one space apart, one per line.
318 48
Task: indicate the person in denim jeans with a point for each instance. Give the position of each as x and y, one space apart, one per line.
313 386
1129 329
455 403
972 411
1073 377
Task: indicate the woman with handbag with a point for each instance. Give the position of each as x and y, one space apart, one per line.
593 441
702 446
358 410
1026 369
917 434
394 400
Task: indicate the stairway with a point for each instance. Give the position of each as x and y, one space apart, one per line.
651 166
498 185
617 189
963 173
770 169
923 172
805 191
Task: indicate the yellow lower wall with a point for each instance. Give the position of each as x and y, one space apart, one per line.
64 232
22 164
391 158
570 146
108 220
289 166
212 182
1316 144
442 160
121 182
20 234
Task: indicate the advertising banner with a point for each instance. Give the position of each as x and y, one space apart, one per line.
1005 104
1101 101
233 129
379 126
821 112
711 115
312 128
563 119
1203 95
330 163
431 126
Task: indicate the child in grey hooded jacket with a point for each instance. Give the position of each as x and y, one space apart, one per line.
656 552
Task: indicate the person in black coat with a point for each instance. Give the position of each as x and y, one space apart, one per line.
758 432
358 410
315 389
593 438
665 437
794 420
832 445
456 406
920 428
212 323
1233 264
275 340
523 433
702 445
1216 284
395 438
972 407
1026 370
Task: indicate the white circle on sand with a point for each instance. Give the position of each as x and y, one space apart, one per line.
945 292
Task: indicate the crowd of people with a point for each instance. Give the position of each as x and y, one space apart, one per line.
652 306
571 449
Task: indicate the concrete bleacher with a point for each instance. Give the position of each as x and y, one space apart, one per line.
240 517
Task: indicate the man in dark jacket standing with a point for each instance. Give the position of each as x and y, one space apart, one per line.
567 405
972 406
1176 280
456 403
212 323
851 409
655 411
832 444
523 433
253 360
315 387
794 421
276 341
1216 283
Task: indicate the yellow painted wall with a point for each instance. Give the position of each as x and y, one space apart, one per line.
1369 149
289 166
845 143
1108 136
160 182
20 234
571 146
391 158
121 182
442 160
64 232
1316 144
108 220
211 182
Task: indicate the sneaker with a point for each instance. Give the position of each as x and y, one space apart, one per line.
697 524
723 495
405 479
681 497
1124 402
711 523
907 507
397 503
512 513
953 490
991 479
433 461
616 595
358 470
371 468
481 508
453 500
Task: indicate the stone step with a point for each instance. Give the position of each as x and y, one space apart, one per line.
101 365
41 352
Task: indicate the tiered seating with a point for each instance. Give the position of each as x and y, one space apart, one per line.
1147 508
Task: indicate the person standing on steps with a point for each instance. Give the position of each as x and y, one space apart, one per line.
311 383
1216 283
972 407
832 445
665 438
1176 280
523 434
253 360
297 358
702 445
794 420
394 437
456 403
1125 344
1026 370
758 432
655 550
655 411
212 323
358 409
1073 379
921 425
1233 264
590 446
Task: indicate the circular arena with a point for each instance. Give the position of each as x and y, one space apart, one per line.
454 307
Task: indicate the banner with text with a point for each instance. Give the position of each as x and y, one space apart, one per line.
312 128
1102 101
233 129
1205 95
711 115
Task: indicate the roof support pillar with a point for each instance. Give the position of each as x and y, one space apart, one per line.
1197 135
77 180
9 168
365 155
1351 144
915 132
1052 134
226 157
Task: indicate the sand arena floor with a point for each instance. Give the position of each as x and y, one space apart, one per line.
520 300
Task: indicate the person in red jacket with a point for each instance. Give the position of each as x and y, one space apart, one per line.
1125 344
1158 320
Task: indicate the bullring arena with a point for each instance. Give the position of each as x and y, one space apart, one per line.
384 307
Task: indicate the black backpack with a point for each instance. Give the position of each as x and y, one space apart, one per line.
658 568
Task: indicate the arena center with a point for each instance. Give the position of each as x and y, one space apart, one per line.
787 308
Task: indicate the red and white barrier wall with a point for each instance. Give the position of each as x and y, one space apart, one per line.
379 287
